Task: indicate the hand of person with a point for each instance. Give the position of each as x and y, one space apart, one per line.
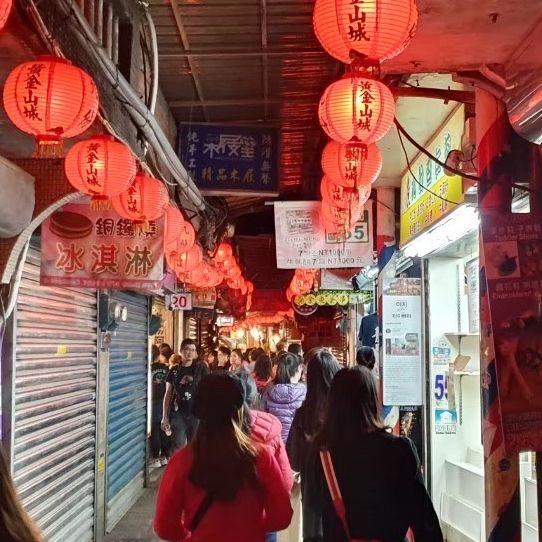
165 426
187 379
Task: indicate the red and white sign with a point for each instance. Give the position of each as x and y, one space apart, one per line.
87 248
181 301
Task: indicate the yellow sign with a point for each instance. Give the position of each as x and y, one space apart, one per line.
61 349
429 196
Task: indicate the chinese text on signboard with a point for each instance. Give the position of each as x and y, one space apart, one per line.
427 193
98 249
301 243
230 158
512 253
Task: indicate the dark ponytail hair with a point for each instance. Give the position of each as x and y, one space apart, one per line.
288 364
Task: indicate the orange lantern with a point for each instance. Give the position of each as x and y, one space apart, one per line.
289 294
189 260
50 99
343 197
146 199
100 167
236 283
250 287
356 110
351 165
179 235
375 29
5 8
233 272
223 252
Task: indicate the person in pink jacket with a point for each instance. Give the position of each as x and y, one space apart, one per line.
223 486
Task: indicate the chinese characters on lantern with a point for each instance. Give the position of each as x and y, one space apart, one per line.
85 248
229 159
32 82
357 22
365 102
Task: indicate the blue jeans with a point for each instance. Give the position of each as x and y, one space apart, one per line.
271 537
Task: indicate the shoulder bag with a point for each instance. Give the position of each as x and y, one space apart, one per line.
336 496
201 511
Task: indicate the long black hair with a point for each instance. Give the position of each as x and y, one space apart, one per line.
365 357
263 368
352 410
288 364
322 366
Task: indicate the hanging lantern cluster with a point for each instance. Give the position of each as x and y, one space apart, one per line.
357 110
260 320
302 282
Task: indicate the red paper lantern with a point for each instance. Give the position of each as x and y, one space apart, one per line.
146 199
250 287
289 294
233 272
343 197
223 252
351 165
50 99
236 283
100 167
179 234
189 260
340 218
356 110
376 29
5 8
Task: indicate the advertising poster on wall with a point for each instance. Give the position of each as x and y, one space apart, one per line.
443 389
87 248
402 376
472 274
513 270
301 242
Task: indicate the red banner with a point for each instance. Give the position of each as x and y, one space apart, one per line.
84 248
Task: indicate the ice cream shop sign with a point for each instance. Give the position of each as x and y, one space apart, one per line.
88 248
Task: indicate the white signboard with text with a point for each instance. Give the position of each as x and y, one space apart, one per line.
181 301
302 242
402 377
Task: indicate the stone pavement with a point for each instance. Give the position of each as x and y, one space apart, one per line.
136 525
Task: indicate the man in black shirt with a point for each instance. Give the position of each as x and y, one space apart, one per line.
181 384
159 440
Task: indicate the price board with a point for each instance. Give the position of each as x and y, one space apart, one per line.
181 301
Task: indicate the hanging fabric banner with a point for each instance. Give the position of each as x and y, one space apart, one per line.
302 242
88 248
513 252
229 159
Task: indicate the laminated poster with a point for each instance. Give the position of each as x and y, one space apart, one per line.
513 270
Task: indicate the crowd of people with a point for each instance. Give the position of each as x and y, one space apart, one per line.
245 433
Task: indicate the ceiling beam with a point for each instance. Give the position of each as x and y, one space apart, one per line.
184 40
446 95
216 53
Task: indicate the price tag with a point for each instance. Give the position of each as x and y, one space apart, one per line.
179 302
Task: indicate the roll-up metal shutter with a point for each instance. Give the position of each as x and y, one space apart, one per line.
127 408
55 406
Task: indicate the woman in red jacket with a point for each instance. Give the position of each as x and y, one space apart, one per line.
221 486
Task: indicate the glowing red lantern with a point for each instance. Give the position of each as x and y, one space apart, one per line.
250 287
233 272
189 260
5 8
376 29
179 234
340 218
146 199
100 167
236 283
223 252
289 294
356 110
50 99
341 196
351 165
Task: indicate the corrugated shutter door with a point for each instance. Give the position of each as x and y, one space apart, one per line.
127 416
55 406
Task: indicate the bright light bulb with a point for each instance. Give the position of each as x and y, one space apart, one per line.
255 333
240 333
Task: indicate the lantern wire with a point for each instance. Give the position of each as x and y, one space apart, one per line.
402 131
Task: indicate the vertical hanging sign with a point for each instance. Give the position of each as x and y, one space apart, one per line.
402 375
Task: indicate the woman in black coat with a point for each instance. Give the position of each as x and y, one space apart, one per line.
322 366
378 473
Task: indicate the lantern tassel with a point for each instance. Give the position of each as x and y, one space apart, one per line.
100 203
48 148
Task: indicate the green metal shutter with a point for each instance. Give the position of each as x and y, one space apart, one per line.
127 409
55 406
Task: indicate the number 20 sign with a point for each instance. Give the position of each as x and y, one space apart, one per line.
179 302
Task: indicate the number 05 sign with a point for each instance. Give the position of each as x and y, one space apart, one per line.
179 302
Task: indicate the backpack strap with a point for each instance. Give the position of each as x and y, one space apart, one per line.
201 511
334 489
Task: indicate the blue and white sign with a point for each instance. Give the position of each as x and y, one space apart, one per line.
231 159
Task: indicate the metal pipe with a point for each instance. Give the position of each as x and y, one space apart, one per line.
270 51
115 41
154 59
99 28
108 38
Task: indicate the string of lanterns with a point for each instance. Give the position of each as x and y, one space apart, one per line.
53 100
259 320
357 110
302 283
